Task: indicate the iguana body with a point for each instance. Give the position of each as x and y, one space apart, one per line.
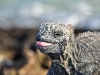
70 55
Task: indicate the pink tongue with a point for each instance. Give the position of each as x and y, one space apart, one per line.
43 43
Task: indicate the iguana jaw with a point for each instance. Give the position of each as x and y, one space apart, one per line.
42 44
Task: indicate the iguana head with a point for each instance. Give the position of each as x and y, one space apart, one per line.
55 38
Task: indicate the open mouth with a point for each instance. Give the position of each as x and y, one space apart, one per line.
47 48
42 44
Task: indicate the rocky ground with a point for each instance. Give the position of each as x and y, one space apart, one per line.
18 54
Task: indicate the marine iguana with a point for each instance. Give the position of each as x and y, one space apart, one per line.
70 55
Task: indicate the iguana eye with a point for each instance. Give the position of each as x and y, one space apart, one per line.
58 34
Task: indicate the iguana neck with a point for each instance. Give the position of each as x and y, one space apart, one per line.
54 56
57 69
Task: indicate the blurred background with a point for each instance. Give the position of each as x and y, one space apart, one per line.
19 23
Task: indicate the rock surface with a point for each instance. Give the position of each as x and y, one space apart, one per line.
18 55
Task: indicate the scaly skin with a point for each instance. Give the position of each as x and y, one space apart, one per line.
69 55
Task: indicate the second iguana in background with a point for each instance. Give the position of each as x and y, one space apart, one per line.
70 55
